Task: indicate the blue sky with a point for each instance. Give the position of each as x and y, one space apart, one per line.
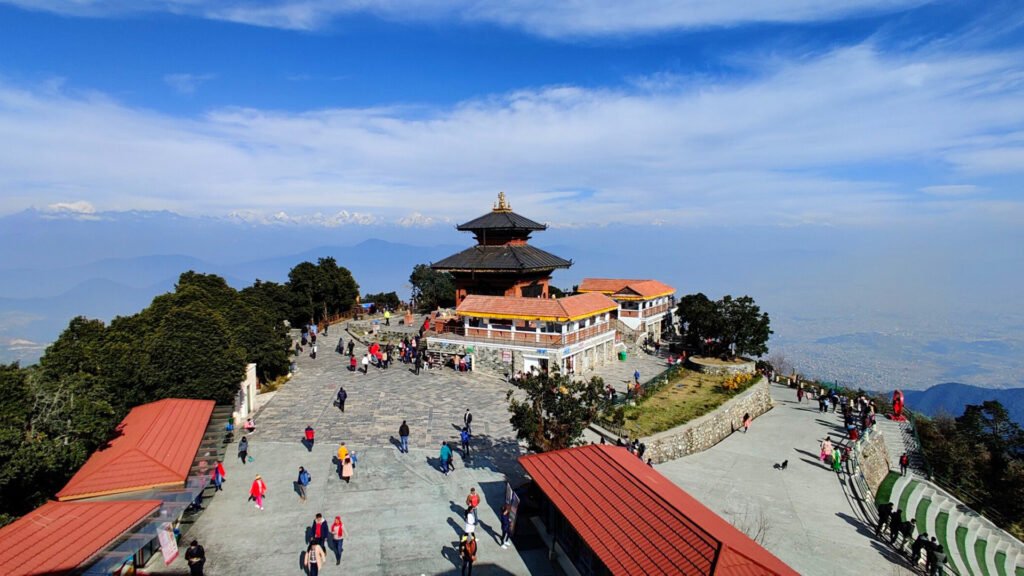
793 112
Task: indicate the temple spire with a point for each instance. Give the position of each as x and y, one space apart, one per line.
502 204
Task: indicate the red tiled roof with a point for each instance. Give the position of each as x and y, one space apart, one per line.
57 537
638 522
550 309
156 445
624 288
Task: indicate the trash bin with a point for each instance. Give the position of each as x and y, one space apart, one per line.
622 355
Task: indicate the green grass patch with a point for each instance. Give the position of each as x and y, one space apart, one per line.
905 498
686 395
961 546
979 554
1001 563
884 492
941 525
1020 571
921 514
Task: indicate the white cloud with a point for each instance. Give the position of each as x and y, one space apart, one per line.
553 19
79 207
186 83
797 142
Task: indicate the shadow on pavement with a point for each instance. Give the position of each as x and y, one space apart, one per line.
494 454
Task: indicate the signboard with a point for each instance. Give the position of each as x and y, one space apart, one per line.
168 545
512 499
506 356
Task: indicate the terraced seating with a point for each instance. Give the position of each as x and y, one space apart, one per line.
974 545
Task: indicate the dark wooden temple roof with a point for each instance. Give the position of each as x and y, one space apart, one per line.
501 220
520 258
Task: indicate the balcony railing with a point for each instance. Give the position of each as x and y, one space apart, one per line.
525 337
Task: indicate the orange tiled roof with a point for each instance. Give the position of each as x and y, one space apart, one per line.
622 288
638 522
58 537
156 445
549 309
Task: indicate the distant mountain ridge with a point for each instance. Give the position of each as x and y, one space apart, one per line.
951 398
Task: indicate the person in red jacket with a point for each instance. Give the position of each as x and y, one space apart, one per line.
310 437
257 491
218 476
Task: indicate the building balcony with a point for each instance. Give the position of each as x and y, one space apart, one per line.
522 337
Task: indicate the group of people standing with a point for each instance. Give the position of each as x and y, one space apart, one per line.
900 532
318 537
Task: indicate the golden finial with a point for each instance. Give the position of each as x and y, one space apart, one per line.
502 204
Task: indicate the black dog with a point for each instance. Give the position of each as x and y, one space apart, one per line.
782 466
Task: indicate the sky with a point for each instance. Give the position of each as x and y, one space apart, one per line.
795 112
855 166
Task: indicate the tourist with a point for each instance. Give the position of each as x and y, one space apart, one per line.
884 511
218 476
640 449
915 550
472 499
464 437
340 348
904 462
337 539
243 449
800 392
467 419
343 395
650 463
249 426
826 449
302 483
348 467
387 317
837 461
315 558
351 346
636 376
467 551
352 363
894 524
929 554
319 531
366 363
417 363
310 437
403 436
446 458
471 520
506 525
938 559
258 491
312 351
195 555
746 422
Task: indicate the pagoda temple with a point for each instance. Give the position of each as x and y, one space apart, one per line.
502 263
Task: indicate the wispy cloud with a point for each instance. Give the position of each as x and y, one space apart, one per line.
186 83
552 19
801 140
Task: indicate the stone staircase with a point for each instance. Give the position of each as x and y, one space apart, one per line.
899 438
974 545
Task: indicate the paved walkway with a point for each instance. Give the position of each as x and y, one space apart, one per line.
402 515
810 523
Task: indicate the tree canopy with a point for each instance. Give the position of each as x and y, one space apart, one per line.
728 327
320 290
432 289
556 409
389 300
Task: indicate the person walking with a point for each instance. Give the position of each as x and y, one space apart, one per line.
837 461
310 437
319 531
315 558
467 419
915 549
884 511
417 363
218 476
636 377
337 539
467 551
195 555
446 458
938 560
387 317
470 520
506 525
313 350
366 363
895 521
464 438
747 420
403 435
348 467
258 491
342 396
302 483
351 346
353 364
340 348
904 462
243 449
826 448
472 499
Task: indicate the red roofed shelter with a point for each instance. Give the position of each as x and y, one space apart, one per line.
605 512
643 304
59 537
155 448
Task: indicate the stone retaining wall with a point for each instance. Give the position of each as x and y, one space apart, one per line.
873 459
710 429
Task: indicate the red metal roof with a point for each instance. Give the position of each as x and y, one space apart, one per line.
625 288
58 537
551 309
156 445
638 522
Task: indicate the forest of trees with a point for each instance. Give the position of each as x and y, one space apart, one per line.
193 342
726 328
